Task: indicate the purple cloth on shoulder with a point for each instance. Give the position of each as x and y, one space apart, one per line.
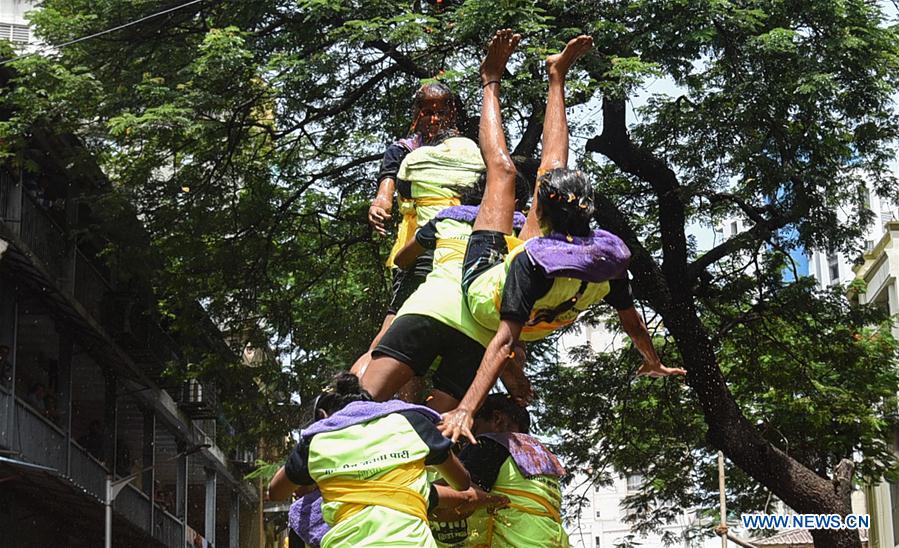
412 142
358 412
468 214
532 458
305 518
597 258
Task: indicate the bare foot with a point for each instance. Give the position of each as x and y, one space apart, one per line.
656 371
499 50
557 65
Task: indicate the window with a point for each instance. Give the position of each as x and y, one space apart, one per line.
598 541
733 228
597 514
833 267
634 483
869 245
14 33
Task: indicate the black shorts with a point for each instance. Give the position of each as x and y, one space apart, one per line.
485 249
417 340
405 282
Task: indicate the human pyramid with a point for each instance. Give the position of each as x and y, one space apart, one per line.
473 278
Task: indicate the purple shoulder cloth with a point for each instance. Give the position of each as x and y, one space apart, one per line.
412 142
468 213
305 518
531 456
596 258
359 412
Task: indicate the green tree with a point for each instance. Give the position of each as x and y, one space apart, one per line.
246 134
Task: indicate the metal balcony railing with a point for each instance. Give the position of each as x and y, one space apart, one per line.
34 439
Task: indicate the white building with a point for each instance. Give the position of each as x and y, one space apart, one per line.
880 272
601 521
828 268
602 524
13 26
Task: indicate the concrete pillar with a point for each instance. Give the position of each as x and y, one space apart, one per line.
64 390
181 490
234 521
148 461
109 421
209 526
11 190
8 331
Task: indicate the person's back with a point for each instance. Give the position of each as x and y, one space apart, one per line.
440 296
528 474
434 176
368 460
565 276
346 455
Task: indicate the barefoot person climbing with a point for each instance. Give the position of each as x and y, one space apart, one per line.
565 267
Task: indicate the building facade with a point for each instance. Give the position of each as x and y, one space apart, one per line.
83 400
13 25
880 272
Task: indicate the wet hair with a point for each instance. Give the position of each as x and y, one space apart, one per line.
343 389
503 403
473 194
441 90
566 201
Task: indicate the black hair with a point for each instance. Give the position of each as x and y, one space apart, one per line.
566 201
503 403
432 88
343 389
438 89
474 193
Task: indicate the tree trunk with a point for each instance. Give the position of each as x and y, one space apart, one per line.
668 289
800 488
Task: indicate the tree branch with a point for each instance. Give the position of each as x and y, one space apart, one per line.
533 130
615 143
403 61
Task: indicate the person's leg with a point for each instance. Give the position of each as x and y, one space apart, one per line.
487 245
555 123
384 376
407 348
361 364
411 391
460 358
498 203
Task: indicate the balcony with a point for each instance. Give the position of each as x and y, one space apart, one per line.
26 436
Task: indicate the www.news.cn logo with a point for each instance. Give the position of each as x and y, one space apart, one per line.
804 521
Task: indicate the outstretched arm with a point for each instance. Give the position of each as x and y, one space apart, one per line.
633 325
458 422
498 204
555 123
